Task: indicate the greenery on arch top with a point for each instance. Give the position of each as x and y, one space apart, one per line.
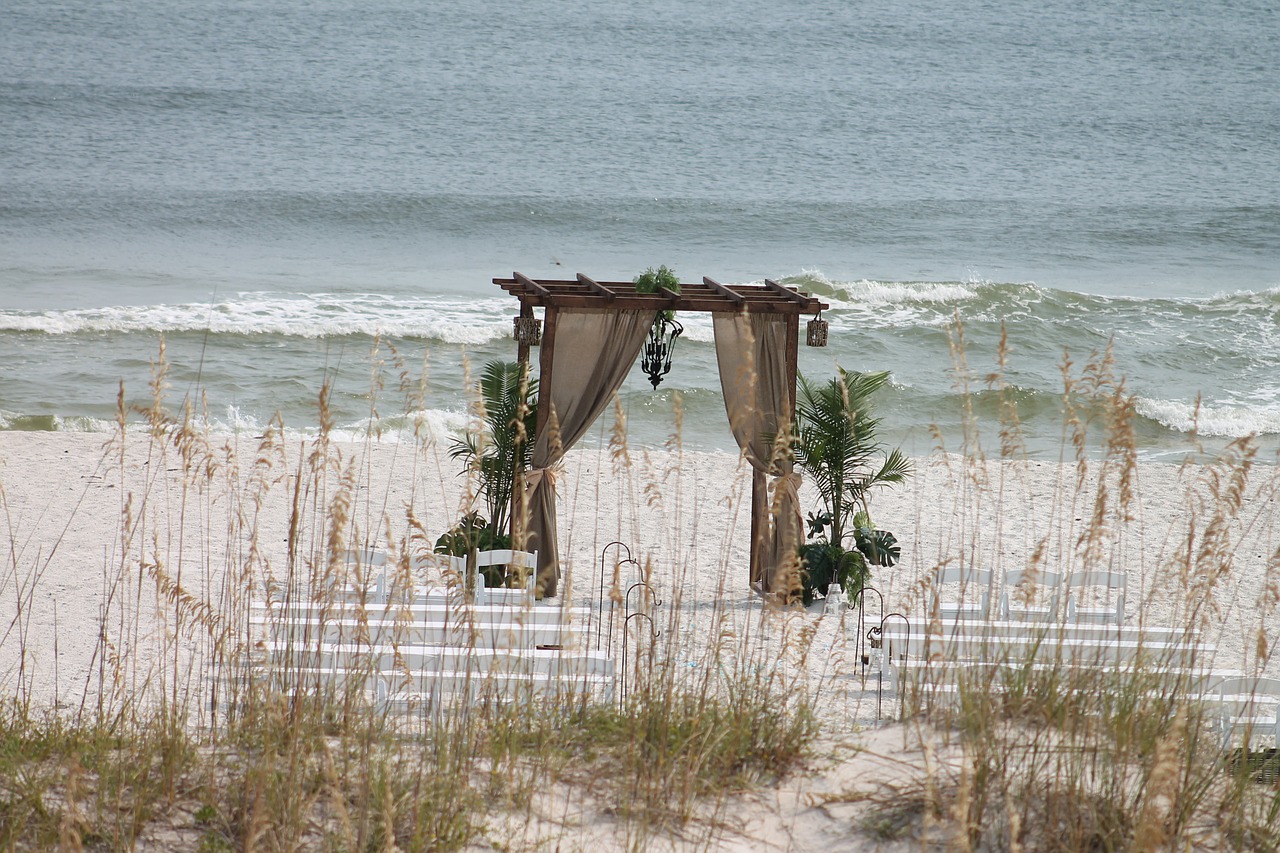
651 280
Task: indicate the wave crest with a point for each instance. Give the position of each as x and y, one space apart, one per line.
455 321
1215 419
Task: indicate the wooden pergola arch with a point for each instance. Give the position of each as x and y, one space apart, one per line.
582 292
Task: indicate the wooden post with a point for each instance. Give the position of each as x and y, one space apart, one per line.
545 358
793 359
517 522
759 526
544 368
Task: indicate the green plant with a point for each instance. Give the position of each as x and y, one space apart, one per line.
837 446
508 405
472 532
827 563
651 280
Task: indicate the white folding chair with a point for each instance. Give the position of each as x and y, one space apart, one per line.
520 561
1023 592
371 564
974 597
425 563
1248 704
1112 611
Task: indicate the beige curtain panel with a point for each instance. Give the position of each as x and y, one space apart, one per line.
594 351
751 350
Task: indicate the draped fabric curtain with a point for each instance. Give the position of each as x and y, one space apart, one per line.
593 351
751 350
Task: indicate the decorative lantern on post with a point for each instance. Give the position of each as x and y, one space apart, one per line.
527 330
816 332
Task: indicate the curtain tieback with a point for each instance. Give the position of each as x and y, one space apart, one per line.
534 477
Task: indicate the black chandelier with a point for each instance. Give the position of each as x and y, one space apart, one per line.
658 349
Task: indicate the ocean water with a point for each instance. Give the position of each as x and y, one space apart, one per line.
290 193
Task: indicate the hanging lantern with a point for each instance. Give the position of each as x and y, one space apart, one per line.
527 330
656 360
816 332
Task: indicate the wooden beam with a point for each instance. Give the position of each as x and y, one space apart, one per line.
532 285
522 348
774 299
662 301
785 291
733 296
597 287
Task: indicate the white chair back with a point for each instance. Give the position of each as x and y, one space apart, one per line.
521 560
974 598
372 565
1109 582
1260 687
438 562
1031 581
1250 703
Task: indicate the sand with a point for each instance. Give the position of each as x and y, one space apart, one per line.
685 517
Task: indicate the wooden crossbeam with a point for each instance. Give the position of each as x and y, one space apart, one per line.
579 293
733 296
597 287
785 291
532 285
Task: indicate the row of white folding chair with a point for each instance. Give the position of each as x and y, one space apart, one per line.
1022 604
923 628
497 631
943 675
452 689
428 605
377 588
426 659
416 689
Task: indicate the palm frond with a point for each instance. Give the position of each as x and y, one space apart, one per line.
837 443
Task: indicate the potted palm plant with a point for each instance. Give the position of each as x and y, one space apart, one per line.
494 453
837 446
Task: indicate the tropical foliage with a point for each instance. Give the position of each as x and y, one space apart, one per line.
508 406
838 448
651 281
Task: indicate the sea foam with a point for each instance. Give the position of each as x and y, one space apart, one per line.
1213 419
457 321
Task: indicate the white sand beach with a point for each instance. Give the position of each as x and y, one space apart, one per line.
684 515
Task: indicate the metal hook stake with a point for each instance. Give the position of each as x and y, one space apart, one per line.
653 636
599 615
613 607
653 596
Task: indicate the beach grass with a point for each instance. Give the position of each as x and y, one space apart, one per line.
183 735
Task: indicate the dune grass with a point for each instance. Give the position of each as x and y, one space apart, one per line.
186 736
1060 757
178 740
